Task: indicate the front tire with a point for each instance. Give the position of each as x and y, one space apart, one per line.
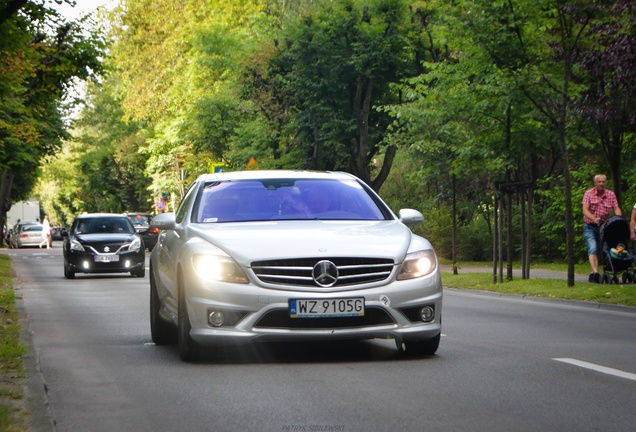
163 333
68 273
141 272
189 350
426 347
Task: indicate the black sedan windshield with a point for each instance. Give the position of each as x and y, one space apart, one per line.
103 226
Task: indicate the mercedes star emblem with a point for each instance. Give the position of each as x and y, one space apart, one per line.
325 273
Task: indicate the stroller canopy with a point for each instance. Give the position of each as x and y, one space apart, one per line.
614 231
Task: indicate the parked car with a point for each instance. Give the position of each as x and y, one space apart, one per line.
26 234
291 256
12 240
103 243
58 233
141 222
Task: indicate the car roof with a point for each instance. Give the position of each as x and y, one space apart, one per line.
276 174
100 215
137 213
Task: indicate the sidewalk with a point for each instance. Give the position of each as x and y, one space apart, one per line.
516 272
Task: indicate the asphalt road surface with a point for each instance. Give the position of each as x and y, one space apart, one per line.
504 364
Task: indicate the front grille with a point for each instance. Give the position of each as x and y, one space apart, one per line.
280 319
100 248
299 271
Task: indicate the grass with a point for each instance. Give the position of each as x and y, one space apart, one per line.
12 372
619 294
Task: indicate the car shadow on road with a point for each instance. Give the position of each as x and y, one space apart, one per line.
304 352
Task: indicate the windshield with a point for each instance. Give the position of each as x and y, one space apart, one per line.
139 219
31 228
115 225
275 199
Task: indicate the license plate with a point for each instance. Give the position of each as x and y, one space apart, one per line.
324 308
106 258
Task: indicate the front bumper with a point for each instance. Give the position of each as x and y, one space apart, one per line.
85 263
255 314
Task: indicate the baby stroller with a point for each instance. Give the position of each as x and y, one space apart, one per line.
616 256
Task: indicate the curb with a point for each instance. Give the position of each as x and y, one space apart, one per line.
35 389
569 302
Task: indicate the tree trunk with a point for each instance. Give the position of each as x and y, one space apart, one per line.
454 229
6 185
615 164
569 229
495 235
387 163
502 203
530 197
314 153
521 197
362 106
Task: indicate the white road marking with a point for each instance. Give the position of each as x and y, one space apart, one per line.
598 368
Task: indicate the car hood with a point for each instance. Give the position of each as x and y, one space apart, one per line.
252 241
105 238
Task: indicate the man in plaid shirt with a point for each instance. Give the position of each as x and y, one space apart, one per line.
598 203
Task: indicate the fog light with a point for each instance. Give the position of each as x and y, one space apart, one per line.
427 313
127 264
216 318
86 265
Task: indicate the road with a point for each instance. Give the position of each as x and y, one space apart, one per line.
504 364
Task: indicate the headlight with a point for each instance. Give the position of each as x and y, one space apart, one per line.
76 246
219 268
418 264
135 245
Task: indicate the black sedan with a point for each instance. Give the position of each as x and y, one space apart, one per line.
58 233
103 243
141 222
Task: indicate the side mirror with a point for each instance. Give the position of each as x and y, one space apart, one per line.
410 217
164 221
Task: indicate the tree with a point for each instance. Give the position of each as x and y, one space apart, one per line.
42 56
330 70
176 63
551 86
610 63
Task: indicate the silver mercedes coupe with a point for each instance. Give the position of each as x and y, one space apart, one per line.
258 256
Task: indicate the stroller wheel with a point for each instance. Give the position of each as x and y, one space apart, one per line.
605 279
626 278
615 280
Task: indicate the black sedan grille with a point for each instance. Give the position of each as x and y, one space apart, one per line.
108 247
280 319
299 271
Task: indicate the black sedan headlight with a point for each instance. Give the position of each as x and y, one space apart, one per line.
76 246
135 245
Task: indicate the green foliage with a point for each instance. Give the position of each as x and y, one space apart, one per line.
415 96
42 56
318 86
12 351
